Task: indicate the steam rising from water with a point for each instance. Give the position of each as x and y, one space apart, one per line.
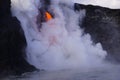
61 43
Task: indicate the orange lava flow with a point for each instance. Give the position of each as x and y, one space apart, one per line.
48 16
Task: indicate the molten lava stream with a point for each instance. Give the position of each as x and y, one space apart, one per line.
48 16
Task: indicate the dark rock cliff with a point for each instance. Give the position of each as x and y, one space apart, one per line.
12 43
103 24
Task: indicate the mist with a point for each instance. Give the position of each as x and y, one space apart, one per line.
59 44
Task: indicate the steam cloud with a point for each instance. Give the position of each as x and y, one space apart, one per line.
61 43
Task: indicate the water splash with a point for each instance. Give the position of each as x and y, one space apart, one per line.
60 44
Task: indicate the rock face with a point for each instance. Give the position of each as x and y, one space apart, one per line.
12 43
103 25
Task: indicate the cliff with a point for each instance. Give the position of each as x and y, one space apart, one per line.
103 24
12 43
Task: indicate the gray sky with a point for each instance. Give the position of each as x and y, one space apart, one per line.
106 3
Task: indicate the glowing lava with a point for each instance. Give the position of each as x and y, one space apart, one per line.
48 16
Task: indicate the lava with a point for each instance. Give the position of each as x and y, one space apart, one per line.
48 16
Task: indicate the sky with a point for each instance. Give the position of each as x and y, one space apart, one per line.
114 4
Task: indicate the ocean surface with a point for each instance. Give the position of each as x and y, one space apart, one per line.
106 73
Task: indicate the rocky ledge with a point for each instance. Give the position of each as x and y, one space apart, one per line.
12 43
103 24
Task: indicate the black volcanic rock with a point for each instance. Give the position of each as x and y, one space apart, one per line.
12 43
103 24
4 8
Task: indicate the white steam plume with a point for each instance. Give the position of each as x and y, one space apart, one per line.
60 44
